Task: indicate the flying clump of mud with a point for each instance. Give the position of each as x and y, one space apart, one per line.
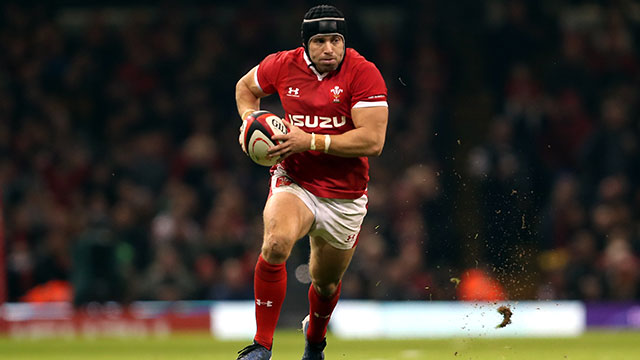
506 316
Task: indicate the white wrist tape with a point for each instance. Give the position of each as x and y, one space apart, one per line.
327 143
313 141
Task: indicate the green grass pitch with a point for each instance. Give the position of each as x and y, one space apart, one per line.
289 345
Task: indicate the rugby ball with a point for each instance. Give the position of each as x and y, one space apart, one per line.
256 136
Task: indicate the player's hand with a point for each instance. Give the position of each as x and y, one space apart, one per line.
294 141
240 136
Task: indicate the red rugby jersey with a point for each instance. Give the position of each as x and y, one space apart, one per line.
322 103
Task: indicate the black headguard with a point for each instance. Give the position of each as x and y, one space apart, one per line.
322 19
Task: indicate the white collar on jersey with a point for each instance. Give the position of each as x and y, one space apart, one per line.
312 67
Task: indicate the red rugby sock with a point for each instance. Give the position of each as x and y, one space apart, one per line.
320 309
270 288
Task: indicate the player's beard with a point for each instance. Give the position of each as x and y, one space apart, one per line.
325 68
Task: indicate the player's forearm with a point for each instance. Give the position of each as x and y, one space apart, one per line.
353 143
245 99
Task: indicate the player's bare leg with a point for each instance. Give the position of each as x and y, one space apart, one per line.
327 265
286 219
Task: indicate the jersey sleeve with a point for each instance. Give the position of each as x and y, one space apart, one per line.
266 76
369 89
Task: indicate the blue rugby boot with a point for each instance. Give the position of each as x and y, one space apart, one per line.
312 351
254 351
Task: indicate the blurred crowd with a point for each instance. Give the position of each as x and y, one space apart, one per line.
512 149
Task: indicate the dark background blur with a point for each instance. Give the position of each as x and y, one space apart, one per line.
512 148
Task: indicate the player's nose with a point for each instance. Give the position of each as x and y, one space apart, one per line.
327 47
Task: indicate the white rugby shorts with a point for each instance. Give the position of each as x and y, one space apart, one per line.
338 221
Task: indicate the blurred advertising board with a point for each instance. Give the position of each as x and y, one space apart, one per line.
613 315
152 318
422 319
351 319
355 319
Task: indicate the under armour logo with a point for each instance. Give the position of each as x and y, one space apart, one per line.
293 92
265 303
320 316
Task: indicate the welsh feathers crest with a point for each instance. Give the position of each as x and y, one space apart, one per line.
336 91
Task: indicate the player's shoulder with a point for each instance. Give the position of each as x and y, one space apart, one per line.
357 62
286 56
355 56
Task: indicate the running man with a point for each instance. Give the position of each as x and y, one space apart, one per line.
335 104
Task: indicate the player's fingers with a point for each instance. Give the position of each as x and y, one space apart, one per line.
276 150
281 153
280 137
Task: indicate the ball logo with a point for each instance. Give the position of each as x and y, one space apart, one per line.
276 123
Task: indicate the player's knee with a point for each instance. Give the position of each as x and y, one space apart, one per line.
275 249
326 289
